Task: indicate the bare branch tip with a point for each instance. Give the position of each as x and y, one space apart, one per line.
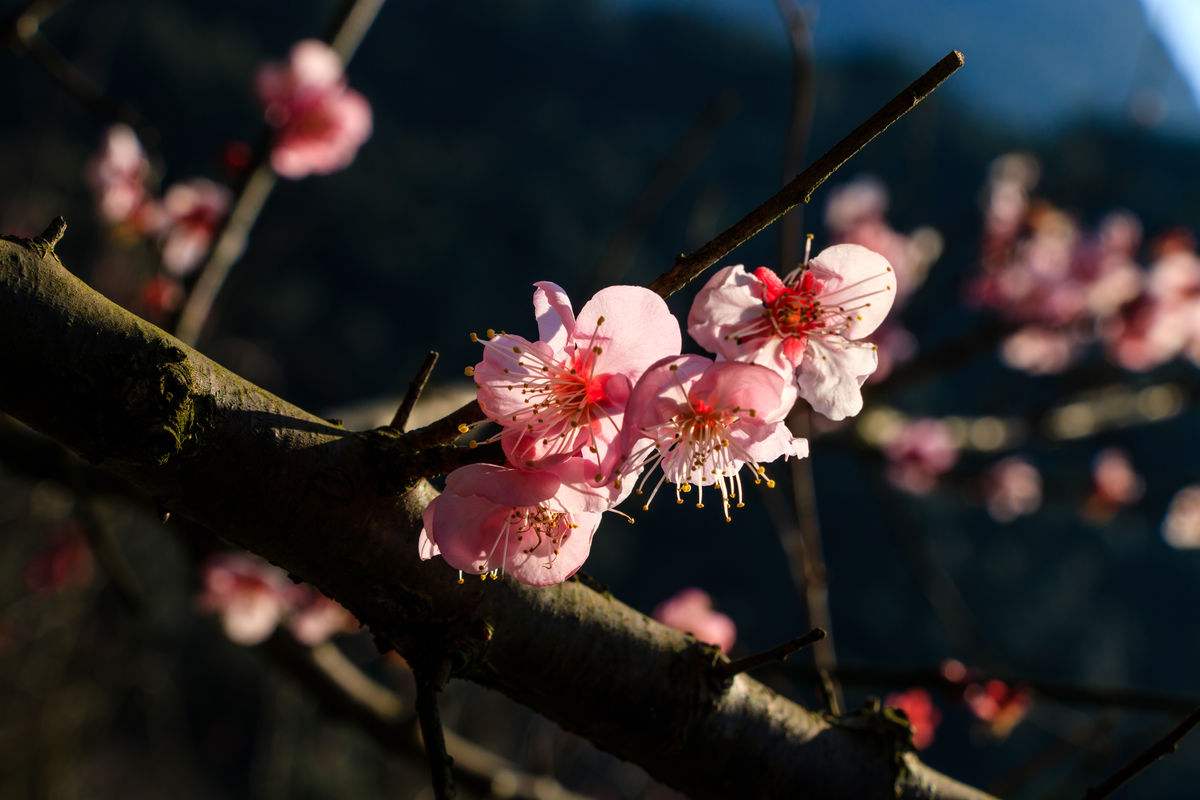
52 235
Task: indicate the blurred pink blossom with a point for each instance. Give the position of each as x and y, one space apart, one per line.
1012 488
195 210
251 596
161 295
118 175
999 706
923 715
1115 482
922 451
1181 527
319 123
1039 350
691 611
1144 334
315 618
856 214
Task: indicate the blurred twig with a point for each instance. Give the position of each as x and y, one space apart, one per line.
801 188
795 21
777 654
434 738
1163 747
680 161
22 31
350 25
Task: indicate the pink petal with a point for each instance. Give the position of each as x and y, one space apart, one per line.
832 374
501 368
466 530
658 394
856 277
543 567
727 384
555 317
315 64
503 486
731 298
638 330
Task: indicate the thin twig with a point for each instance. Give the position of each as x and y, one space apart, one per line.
775 654
795 21
670 172
414 391
433 736
350 25
801 188
1163 747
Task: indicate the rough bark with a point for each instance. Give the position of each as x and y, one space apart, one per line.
342 511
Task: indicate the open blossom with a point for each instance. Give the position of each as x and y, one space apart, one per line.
319 123
807 325
536 525
921 452
118 174
1181 527
1012 488
566 393
691 611
923 715
194 210
701 421
250 595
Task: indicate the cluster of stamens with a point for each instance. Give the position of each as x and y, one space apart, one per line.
561 394
695 443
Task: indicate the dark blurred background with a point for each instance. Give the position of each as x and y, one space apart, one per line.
511 142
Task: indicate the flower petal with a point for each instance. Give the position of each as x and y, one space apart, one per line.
502 486
544 567
833 372
638 329
858 279
555 317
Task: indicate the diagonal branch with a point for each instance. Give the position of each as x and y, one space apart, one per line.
801 188
338 510
1163 747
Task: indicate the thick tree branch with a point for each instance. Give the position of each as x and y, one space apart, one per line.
341 511
801 188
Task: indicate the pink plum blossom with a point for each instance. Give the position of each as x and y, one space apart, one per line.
194 210
1012 488
999 706
805 326
691 611
701 421
315 618
1115 482
921 452
567 391
923 715
1039 350
251 596
1181 527
118 175
319 122
536 525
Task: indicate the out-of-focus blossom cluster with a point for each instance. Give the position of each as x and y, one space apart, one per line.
253 598
856 212
1115 484
1067 287
691 611
319 122
919 452
602 404
997 706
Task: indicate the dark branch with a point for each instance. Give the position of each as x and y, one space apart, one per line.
800 189
778 653
433 736
414 391
1163 747
279 481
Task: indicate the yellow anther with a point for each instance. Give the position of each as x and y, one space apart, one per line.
687 487
770 483
491 333
699 505
464 427
600 321
469 371
460 580
472 444
474 337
